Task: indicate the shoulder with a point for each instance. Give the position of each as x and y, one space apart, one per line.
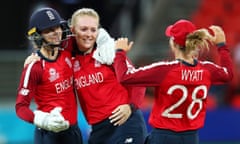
34 66
166 63
209 65
205 63
33 71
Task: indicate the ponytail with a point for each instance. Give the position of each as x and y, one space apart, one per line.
197 41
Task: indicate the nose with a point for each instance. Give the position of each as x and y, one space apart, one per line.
89 33
56 31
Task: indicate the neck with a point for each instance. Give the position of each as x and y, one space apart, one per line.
187 59
84 50
50 53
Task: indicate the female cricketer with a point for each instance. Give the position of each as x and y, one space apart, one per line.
103 99
109 107
181 85
49 82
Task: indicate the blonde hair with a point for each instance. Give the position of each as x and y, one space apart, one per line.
84 12
197 41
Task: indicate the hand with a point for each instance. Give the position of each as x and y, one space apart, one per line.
52 121
60 123
122 43
219 35
120 114
209 34
105 52
33 57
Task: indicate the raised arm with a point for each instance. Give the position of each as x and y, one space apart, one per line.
150 75
224 72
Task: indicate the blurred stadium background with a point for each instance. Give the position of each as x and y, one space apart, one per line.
143 21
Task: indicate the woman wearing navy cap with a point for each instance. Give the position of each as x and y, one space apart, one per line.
49 82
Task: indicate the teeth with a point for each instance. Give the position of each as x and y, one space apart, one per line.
88 41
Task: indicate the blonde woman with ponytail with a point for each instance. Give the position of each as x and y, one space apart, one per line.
181 85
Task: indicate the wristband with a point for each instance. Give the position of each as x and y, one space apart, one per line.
133 107
119 49
220 44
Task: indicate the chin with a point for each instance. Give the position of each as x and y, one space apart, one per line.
88 46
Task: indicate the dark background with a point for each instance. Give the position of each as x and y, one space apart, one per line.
15 15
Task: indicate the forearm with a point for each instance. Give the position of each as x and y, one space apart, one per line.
225 60
24 112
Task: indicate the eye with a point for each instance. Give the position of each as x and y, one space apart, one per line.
83 29
93 30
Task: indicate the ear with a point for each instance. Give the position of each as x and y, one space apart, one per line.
72 30
176 45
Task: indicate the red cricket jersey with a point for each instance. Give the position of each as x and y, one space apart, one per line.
98 89
50 84
180 89
136 94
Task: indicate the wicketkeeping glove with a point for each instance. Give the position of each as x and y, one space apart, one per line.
53 121
64 124
105 52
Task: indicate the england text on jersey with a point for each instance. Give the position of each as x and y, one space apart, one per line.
89 79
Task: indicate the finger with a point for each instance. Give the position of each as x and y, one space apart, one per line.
118 120
121 121
115 114
60 127
130 45
116 110
56 113
58 109
57 119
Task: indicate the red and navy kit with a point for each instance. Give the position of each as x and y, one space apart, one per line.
136 93
99 93
50 84
98 89
181 88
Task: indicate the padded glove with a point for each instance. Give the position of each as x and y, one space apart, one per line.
52 121
63 125
105 52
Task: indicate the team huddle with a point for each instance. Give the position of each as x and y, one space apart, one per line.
80 62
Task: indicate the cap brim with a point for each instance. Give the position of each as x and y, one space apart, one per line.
168 31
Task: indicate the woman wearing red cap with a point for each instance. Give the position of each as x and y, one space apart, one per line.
181 85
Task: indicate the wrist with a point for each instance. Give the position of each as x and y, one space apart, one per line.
119 50
133 107
221 44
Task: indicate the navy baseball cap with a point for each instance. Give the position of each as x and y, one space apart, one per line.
44 18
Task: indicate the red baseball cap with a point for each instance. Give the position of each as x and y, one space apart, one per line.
179 31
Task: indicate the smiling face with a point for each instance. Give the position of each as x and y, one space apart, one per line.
85 29
52 35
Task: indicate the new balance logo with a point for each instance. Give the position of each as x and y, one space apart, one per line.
128 140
